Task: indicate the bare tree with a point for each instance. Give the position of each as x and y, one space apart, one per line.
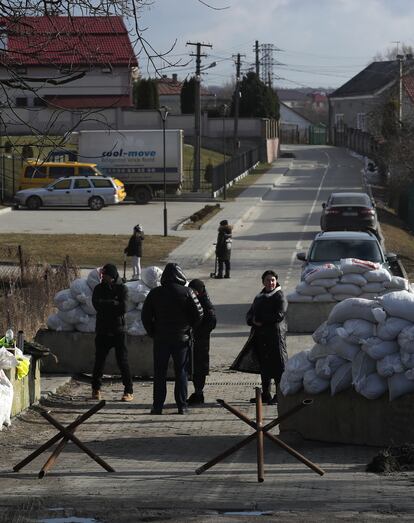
391 52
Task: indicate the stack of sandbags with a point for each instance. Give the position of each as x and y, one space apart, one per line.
367 344
350 279
76 311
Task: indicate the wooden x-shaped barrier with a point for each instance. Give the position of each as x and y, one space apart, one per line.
65 434
261 431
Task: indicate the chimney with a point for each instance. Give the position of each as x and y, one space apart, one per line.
174 77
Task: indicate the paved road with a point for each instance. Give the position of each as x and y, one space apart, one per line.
155 459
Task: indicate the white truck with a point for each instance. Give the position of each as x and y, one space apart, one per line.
136 158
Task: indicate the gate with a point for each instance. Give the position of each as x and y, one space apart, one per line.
317 134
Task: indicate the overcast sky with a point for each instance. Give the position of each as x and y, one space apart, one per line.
322 43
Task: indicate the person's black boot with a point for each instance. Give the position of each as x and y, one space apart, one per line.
196 399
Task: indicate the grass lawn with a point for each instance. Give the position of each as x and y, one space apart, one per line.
235 190
89 250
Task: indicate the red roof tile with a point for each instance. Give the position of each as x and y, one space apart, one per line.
408 82
59 40
170 86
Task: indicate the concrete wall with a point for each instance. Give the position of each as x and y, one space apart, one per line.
305 317
26 391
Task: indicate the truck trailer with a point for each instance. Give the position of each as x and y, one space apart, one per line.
136 158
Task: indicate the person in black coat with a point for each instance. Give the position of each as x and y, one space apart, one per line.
109 299
223 249
265 351
201 349
168 315
134 249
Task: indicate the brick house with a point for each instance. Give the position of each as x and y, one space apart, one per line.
66 62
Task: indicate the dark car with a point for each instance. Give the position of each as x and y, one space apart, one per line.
331 247
349 211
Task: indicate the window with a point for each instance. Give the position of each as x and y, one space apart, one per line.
81 183
39 102
361 121
21 101
35 172
101 182
86 171
59 171
339 122
62 185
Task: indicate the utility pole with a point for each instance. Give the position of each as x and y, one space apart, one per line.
236 105
197 115
400 59
256 52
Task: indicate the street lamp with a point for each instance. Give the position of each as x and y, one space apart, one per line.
164 113
224 108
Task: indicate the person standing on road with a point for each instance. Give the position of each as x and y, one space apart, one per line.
169 314
109 299
265 351
223 248
201 354
134 249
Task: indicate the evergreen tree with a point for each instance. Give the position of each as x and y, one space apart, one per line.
187 96
257 99
145 93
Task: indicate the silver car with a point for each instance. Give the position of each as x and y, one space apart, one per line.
72 191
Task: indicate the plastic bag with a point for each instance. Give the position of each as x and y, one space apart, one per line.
357 266
298 364
356 279
137 291
289 386
354 331
371 386
320 351
346 288
55 323
391 328
377 348
309 290
329 270
94 277
399 304
406 339
88 326
390 365
80 287
343 348
351 309
342 379
313 384
362 365
7 359
6 399
326 367
64 300
378 275
151 276
76 315
325 332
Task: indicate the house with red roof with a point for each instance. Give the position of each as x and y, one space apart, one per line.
66 62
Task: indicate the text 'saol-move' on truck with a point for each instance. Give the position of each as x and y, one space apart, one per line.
136 158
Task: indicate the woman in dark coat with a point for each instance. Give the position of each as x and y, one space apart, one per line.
134 249
223 248
201 349
265 352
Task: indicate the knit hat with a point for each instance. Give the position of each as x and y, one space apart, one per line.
197 285
110 270
138 228
224 222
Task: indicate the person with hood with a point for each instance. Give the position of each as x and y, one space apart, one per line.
265 351
134 249
169 314
109 299
201 360
223 248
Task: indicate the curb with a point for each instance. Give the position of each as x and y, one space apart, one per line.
6 209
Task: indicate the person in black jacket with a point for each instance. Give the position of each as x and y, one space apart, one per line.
109 299
201 359
134 249
266 317
223 248
168 315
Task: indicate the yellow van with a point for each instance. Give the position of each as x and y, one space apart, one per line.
36 173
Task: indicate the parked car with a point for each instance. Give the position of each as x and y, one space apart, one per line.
73 191
349 211
331 247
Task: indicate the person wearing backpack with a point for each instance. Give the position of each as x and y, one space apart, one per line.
134 249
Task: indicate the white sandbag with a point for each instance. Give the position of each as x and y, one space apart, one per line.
371 386
136 329
55 323
64 300
328 270
295 297
377 348
356 279
355 330
326 367
409 374
139 306
130 317
88 326
357 266
362 365
7 359
6 399
313 384
397 283
80 288
342 297
320 351
378 275
324 282
390 365
325 332
298 364
342 378
288 386
406 339
371 295
344 349
346 288
398 385
373 287
391 328
87 306
399 303
309 290
137 291
94 277
74 316
151 276
353 308
324 298
407 359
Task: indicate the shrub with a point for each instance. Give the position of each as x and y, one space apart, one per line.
208 172
27 151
